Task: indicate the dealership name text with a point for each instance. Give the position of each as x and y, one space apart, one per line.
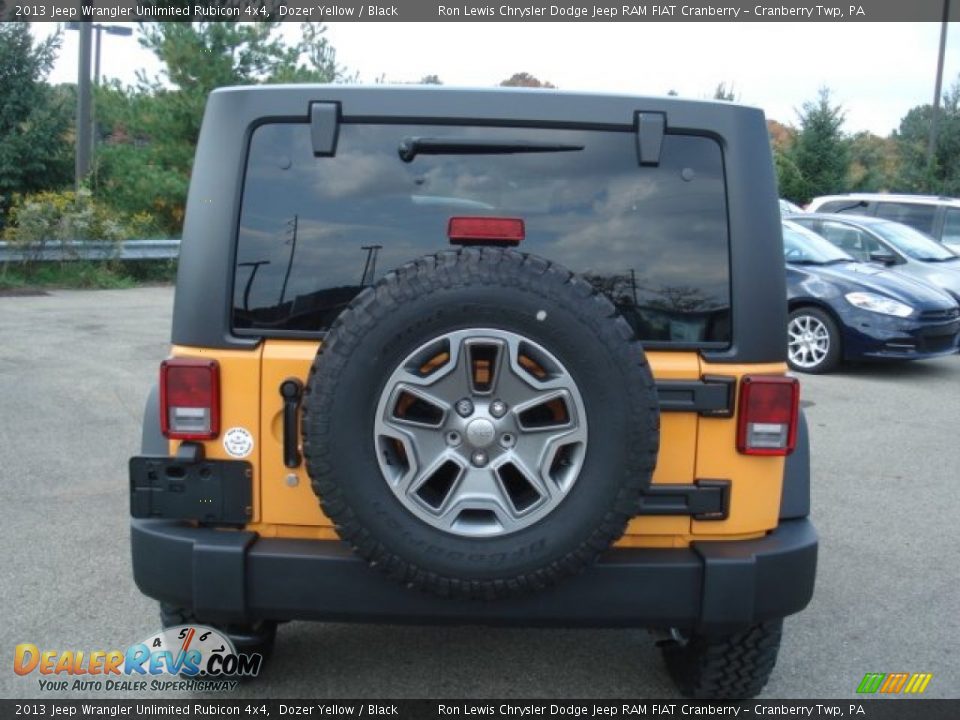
652 11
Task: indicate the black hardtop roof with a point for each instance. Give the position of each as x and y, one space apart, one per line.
203 299
484 104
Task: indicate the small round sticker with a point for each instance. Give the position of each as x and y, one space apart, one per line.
238 442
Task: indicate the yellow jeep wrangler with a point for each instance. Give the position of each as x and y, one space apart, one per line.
510 357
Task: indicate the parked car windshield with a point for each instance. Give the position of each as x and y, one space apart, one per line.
806 247
913 243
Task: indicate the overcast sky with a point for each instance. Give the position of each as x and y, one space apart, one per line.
877 71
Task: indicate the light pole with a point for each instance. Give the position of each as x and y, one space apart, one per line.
84 98
84 121
935 115
109 30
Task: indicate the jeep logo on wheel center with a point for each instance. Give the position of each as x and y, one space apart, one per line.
480 432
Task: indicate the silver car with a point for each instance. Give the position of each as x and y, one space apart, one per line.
899 247
788 208
938 217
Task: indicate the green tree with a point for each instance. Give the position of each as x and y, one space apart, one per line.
916 173
781 136
820 149
722 92
202 56
150 131
790 181
382 79
874 162
35 150
525 79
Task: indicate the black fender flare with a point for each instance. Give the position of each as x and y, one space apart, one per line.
795 498
152 441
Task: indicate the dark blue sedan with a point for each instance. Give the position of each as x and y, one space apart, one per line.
844 310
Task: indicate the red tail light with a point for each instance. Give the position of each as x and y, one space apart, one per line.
768 415
481 230
190 399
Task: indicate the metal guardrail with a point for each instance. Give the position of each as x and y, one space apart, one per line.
92 250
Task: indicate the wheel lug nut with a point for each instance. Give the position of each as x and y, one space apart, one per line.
464 407
507 440
453 438
498 408
479 458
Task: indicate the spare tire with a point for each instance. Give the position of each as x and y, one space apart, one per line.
480 423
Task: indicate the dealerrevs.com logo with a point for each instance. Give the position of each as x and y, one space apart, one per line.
185 657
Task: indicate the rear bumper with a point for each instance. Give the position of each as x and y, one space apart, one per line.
237 576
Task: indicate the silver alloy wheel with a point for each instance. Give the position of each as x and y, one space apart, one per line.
480 432
808 341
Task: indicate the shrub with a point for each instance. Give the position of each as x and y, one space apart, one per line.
68 220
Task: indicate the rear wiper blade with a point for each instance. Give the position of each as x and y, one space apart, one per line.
852 206
412 146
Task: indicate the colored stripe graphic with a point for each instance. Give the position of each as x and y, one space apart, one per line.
893 683
870 683
918 682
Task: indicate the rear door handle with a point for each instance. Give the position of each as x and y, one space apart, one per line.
291 390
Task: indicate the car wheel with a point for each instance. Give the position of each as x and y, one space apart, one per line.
480 423
734 666
813 341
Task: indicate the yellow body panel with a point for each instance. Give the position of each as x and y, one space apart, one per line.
284 502
756 481
691 448
678 431
678 448
239 404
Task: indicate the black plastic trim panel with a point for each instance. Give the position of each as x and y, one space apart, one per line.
324 128
713 586
704 500
795 498
650 131
713 396
210 491
152 441
780 574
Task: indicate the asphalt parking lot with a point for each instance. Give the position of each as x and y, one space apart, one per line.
75 368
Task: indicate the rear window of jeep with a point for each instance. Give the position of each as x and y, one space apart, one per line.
314 231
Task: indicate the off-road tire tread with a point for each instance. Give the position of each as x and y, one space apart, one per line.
172 615
461 268
735 666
